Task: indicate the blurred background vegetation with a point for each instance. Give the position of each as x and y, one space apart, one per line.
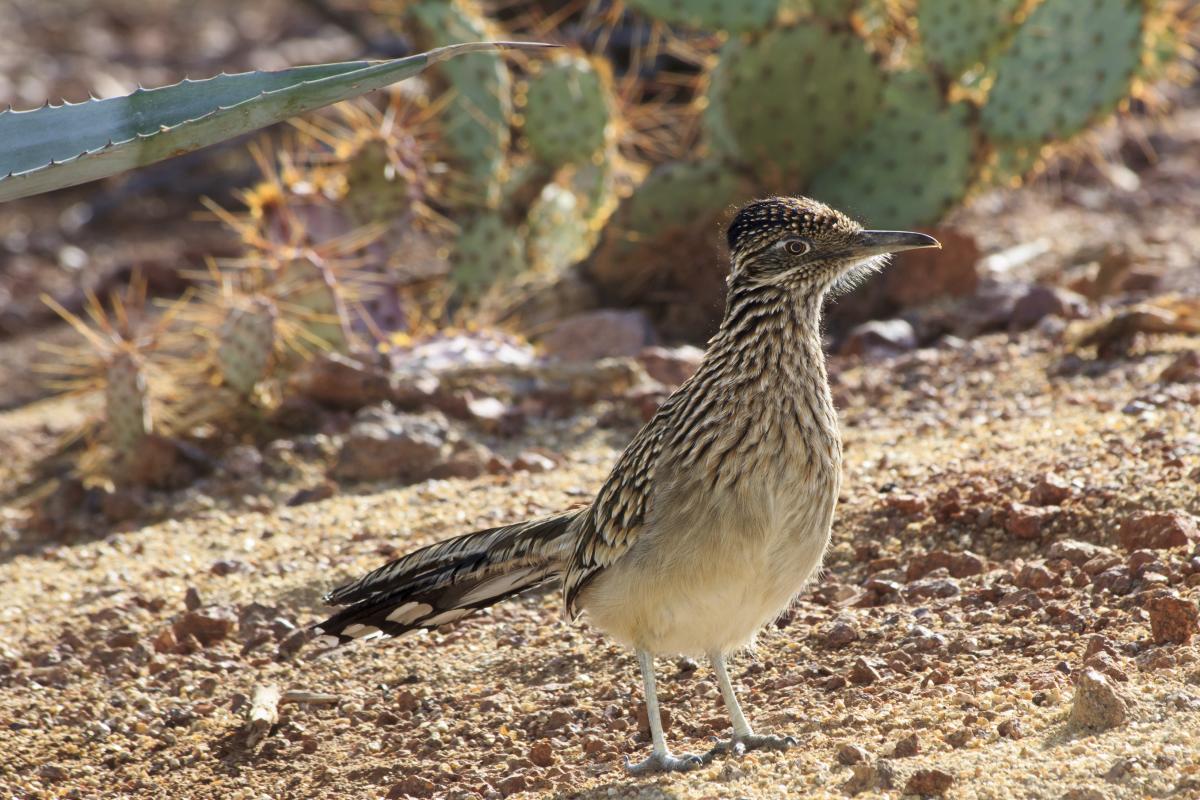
523 193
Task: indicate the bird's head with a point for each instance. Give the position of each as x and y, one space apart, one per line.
800 243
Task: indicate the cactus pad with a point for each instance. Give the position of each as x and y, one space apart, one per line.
308 291
559 232
126 403
726 15
476 122
1070 62
911 166
488 250
957 34
568 111
246 345
793 98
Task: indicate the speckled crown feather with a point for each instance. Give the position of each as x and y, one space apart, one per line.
773 217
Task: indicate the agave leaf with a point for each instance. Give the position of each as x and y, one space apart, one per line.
56 146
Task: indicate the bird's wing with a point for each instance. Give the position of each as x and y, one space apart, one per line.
616 517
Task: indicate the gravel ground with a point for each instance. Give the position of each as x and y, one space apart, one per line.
963 662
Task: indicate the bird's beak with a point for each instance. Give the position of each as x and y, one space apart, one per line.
867 244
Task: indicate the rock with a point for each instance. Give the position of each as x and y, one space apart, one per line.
1049 490
412 786
542 753
880 338
486 412
1078 553
242 462
1026 522
1173 619
1042 301
838 634
386 445
671 366
228 566
208 625
863 673
929 783
907 504
593 335
466 459
852 754
1114 580
919 276
1155 530
1097 705
1010 729
1035 576
1184 369
908 746
313 494
345 382
513 784
643 721
532 461
191 599
880 775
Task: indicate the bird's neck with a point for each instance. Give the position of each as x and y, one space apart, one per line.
773 332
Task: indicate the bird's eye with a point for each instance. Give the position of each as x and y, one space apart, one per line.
796 247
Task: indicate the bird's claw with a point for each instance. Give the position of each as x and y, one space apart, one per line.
664 762
740 745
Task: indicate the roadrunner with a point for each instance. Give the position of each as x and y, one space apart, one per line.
718 511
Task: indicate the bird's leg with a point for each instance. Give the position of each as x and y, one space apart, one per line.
744 737
660 759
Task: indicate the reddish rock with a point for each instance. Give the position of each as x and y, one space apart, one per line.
1010 729
1076 552
863 673
599 334
1035 576
1157 530
542 753
208 625
1173 619
838 634
671 366
852 754
919 276
1026 522
1043 301
532 461
907 504
1049 490
385 445
929 783
908 746
643 721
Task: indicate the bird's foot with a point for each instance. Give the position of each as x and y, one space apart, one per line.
739 745
664 762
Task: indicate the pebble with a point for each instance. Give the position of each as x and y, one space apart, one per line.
929 783
1026 522
838 634
1173 619
208 625
880 338
593 335
852 754
385 445
1049 490
908 746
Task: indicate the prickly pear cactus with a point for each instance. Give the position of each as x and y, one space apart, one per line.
664 242
246 345
957 35
376 189
477 120
559 232
487 250
568 111
309 293
727 15
792 98
126 403
1070 62
911 166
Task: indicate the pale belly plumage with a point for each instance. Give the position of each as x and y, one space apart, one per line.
715 565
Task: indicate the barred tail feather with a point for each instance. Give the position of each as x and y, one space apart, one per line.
449 580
